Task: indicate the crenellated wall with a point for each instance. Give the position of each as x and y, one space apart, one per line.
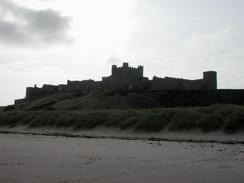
208 82
130 78
84 86
35 92
127 72
127 78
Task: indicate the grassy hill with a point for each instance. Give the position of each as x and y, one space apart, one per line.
93 101
149 112
137 100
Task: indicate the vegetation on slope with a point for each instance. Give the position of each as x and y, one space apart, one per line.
108 99
228 118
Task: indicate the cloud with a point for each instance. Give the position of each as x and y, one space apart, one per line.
24 26
187 32
11 33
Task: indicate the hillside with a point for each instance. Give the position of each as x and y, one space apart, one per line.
136 111
110 99
228 118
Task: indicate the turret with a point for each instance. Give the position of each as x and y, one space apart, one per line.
32 92
140 70
114 69
125 65
210 79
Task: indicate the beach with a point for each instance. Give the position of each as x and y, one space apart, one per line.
39 158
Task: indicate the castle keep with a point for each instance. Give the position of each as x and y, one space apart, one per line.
125 78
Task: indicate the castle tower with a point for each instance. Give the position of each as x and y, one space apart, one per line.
125 65
140 70
210 78
114 69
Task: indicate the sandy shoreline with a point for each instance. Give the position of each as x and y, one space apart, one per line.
109 133
27 159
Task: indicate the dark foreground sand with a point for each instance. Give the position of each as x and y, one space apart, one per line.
28 158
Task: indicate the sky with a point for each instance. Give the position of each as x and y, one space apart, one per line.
51 41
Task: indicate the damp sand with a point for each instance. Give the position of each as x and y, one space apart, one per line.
38 158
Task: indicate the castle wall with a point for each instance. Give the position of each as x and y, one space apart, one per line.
127 72
174 84
32 93
35 92
126 78
19 101
176 98
84 86
129 78
209 82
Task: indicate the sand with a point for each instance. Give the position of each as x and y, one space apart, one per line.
114 133
28 158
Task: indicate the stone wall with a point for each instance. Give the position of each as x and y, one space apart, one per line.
125 77
129 79
35 92
176 98
83 86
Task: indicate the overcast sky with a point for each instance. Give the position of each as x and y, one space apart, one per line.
50 41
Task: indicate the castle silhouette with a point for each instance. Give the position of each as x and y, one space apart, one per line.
124 78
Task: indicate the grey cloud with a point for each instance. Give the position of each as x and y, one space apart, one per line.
11 33
26 25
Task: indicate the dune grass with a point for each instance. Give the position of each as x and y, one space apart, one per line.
227 118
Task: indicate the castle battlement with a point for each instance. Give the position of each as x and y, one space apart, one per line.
125 70
126 78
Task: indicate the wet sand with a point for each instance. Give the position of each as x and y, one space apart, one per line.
28 158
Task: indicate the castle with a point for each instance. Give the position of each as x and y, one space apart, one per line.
125 78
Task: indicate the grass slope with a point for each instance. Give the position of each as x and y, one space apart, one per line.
101 100
228 118
93 101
